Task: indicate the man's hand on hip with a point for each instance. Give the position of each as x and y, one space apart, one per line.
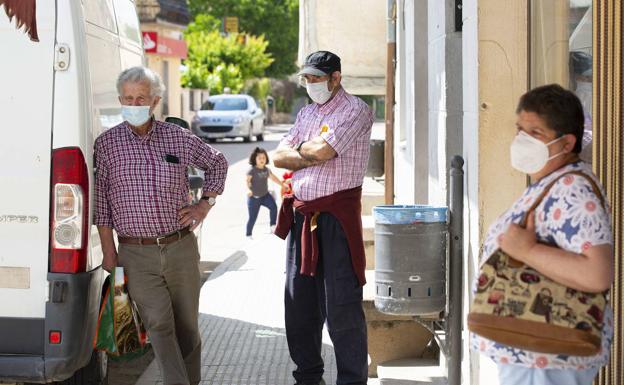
193 215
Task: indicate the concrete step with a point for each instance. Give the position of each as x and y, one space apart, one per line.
368 228
412 371
368 233
369 251
371 200
390 337
372 195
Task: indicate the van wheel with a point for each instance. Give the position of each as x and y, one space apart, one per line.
95 373
260 138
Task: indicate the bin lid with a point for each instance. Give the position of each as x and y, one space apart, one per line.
408 214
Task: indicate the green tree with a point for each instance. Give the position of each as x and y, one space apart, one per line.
215 61
259 89
277 20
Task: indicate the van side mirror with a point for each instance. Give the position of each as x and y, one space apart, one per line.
178 121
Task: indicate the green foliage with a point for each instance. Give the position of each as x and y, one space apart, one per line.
259 89
277 20
215 61
283 105
203 23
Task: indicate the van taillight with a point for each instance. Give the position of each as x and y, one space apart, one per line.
69 210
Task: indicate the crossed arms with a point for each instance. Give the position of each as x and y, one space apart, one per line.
311 153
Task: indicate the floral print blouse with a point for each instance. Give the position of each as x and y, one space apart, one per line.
572 217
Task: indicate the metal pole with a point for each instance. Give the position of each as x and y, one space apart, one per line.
454 325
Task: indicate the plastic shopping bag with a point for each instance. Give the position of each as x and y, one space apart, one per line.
120 331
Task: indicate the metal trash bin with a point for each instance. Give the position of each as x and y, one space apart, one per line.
375 166
410 259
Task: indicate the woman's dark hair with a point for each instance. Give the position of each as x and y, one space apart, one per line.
254 154
561 110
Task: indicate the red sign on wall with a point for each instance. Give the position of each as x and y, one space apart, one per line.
150 40
160 45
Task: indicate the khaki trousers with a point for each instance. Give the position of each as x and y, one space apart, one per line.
164 281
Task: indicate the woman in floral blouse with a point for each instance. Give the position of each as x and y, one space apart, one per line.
567 238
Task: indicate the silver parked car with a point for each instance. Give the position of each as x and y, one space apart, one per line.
229 116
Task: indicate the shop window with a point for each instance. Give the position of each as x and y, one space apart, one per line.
561 52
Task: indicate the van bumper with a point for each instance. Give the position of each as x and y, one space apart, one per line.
72 309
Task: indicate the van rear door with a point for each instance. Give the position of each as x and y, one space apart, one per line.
26 102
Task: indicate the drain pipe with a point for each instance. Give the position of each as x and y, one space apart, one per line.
389 107
456 255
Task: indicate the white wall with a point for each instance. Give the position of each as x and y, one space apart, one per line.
470 59
429 100
408 103
359 38
495 75
437 102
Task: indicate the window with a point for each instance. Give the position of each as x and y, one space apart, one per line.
225 104
561 52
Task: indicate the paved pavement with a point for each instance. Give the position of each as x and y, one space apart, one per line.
242 321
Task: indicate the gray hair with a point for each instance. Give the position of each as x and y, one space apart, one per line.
141 74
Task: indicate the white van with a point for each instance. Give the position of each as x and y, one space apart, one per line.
56 96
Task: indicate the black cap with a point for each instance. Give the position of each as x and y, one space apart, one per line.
320 63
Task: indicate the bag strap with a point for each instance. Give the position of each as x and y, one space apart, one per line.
541 197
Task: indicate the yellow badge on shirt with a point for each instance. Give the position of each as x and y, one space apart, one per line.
324 128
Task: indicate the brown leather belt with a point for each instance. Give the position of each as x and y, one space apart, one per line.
165 239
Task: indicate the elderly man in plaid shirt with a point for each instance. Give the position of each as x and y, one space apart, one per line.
141 189
328 150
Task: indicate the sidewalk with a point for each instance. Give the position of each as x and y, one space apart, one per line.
242 321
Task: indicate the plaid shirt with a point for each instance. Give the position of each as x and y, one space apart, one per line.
141 181
345 123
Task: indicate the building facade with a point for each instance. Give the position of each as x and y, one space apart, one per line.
162 26
359 41
461 67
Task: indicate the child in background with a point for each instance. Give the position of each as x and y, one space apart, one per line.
258 185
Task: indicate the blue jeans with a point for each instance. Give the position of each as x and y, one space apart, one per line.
253 206
520 375
334 295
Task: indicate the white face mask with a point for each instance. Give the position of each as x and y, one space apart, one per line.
530 155
135 115
318 92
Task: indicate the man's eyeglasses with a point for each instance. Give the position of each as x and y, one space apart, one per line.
303 81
